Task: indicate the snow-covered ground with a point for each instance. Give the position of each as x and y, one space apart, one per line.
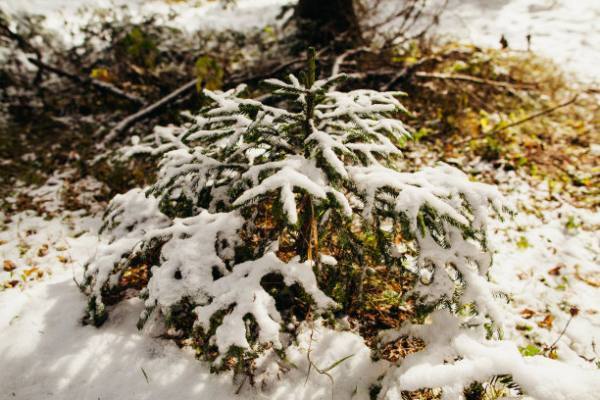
46 352
566 31
547 258
66 17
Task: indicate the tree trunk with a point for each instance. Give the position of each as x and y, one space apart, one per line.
321 21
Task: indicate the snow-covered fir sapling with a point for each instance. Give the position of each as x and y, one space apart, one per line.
264 214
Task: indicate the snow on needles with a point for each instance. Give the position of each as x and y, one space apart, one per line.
220 167
232 155
48 354
455 357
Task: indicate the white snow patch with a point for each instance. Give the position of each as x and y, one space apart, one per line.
549 263
566 31
67 17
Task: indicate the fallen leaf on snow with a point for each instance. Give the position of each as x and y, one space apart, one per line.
574 311
9 266
522 276
556 270
42 251
547 322
35 271
592 278
527 313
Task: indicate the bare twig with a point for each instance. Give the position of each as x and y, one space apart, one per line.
239 389
143 113
435 18
310 340
182 90
573 313
19 39
145 375
407 71
471 79
322 371
100 85
561 333
106 87
536 115
361 282
405 20
342 57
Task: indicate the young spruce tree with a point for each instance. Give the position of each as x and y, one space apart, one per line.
259 211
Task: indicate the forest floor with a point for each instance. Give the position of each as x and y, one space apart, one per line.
547 259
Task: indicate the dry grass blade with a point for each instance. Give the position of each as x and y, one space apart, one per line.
473 79
536 115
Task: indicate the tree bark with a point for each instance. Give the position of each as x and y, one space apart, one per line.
321 21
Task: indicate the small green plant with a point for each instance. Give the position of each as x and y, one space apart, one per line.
572 223
140 47
530 350
209 73
263 214
523 243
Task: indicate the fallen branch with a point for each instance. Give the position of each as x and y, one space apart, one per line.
342 57
471 79
180 91
536 115
37 61
407 71
100 85
20 40
130 120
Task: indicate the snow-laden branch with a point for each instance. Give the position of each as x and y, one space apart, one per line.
319 154
191 250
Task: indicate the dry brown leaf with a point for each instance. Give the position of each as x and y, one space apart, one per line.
42 251
522 276
11 284
400 348
527 313
574 311
592 278
33 271
9 265
547 322
556 270
63 259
